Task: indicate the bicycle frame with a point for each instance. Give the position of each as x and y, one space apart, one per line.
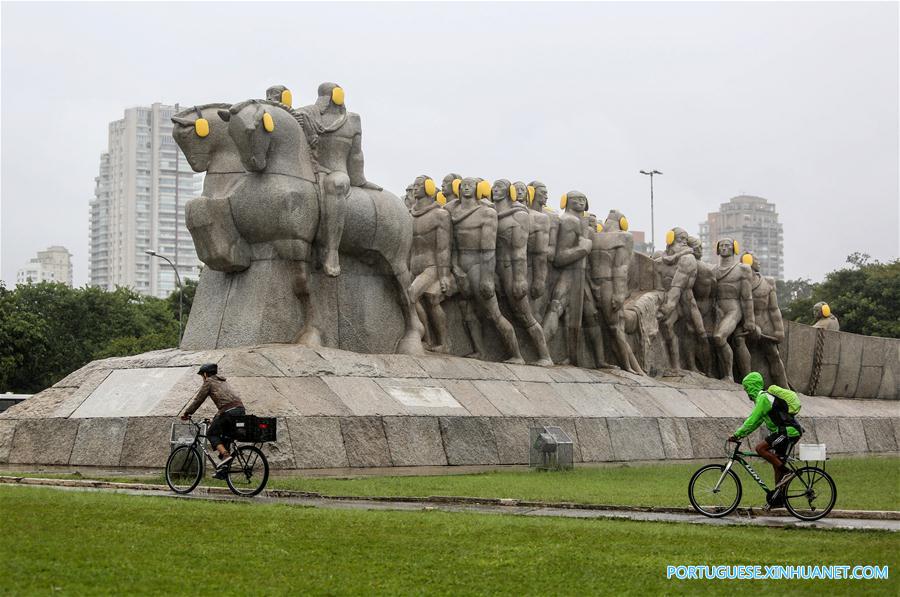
200 434
738 456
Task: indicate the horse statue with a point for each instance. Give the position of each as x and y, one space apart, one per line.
278 204
205 142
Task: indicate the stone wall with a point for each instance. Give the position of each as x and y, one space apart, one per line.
360 312
826 363
341 409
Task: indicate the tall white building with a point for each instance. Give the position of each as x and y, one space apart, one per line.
137 206
753 222
51 265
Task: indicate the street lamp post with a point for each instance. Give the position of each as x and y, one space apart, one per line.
652 227
153 253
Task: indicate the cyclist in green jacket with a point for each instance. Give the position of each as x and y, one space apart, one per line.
776 408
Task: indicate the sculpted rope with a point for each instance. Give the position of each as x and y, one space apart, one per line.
817 361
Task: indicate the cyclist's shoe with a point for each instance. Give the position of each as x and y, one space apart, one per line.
224 464
784 480
774 499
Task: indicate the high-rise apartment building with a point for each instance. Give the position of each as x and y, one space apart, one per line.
138 207
51 265
753 222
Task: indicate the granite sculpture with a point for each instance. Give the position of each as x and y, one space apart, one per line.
734 303
609 261
262 157
449 188
591 319
676 269
538 247
825 319
335 136
473 261
513 230
572 248
282 179
768 330
705 296
430 262
203 138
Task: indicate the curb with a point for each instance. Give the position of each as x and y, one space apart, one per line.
434 499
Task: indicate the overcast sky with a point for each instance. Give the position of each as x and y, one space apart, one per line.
794 102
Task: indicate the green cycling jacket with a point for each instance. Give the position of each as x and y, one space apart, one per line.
753 385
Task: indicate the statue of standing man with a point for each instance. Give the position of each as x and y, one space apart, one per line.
335 136
513 228
609 263
768 331
734 303
473 259
429 261
572 248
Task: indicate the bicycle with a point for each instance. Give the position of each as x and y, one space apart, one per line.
809 493
246 475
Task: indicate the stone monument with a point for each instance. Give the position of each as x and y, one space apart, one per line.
825 319
430 261
571 250
315 276
513 231
610 259
473 264
734 303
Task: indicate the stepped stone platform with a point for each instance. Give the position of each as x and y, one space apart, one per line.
343 409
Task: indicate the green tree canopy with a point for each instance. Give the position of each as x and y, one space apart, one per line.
865 297
48 330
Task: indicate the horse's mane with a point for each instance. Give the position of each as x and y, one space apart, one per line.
193 109
241 105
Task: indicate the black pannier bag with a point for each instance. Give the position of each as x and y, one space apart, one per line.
250 428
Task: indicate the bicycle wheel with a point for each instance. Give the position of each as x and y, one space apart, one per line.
712 502
248 472
184 469
811 494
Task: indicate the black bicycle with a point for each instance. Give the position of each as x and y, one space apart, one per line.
247 473
808 492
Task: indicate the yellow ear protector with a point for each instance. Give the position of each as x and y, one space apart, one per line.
564 201
826 310
747 259
531 192
287 98
737 247
599 227
337 96
201 125
440 198
623 224
268 123
430 187
513 193
670 237
455 186
483 190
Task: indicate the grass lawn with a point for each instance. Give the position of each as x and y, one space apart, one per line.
84 543
871 483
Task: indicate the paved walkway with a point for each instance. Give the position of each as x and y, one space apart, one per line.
511 508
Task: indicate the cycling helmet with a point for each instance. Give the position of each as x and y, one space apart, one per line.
208 368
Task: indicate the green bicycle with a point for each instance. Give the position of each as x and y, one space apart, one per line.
808 492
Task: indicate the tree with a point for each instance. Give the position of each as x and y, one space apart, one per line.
48 330
189 289
864 297
789 291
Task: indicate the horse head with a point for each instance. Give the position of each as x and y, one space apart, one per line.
204 139
265 132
